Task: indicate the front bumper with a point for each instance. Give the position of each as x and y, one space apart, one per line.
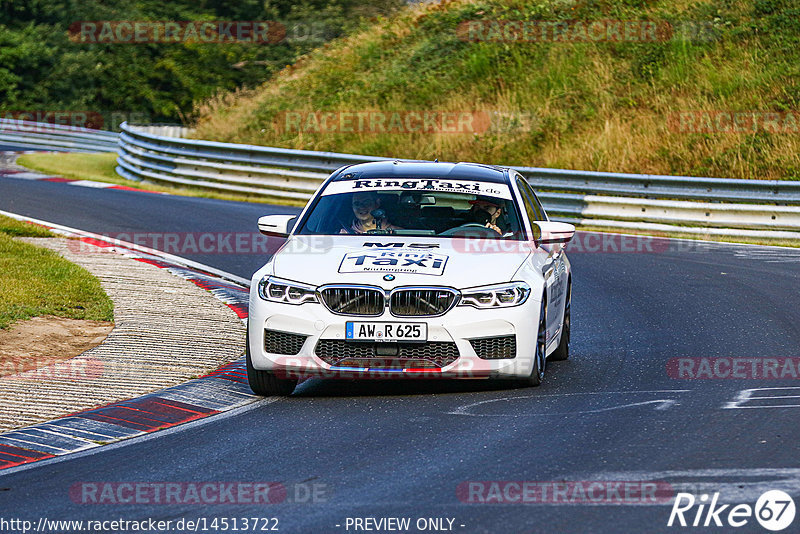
460 325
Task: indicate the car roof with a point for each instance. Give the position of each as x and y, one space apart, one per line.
424 169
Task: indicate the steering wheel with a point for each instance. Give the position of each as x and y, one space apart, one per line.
466 228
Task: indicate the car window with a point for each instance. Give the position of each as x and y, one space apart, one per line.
419 212
532 205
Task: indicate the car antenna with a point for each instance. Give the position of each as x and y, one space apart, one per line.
436 160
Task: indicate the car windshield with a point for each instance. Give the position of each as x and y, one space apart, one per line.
482 210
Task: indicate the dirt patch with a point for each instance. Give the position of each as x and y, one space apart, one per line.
43 342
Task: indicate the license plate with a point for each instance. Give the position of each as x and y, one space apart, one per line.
358 331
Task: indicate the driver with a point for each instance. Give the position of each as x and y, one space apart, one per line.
486 211
367 214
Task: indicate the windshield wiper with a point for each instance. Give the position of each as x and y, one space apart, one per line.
414 232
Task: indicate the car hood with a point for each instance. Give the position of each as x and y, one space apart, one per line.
458 263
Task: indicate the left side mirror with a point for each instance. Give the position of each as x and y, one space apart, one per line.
276 225
549 232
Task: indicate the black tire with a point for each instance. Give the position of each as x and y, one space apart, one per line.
562 352
265 383
540 359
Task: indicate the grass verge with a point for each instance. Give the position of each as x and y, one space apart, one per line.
660 104
35 281
101 168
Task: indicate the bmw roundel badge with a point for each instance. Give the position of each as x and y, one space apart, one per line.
388 277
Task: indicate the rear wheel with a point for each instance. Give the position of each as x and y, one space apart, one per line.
539 360
562 352
265 383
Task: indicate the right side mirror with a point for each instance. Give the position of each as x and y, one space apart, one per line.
276 225
549 232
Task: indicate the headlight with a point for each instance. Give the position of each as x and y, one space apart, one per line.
496 296
277 290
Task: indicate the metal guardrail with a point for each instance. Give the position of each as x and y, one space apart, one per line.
56 137
161 153
229 167
744 208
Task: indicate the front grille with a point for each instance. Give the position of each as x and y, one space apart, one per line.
334 351
283 343
495 348
422 302
354 300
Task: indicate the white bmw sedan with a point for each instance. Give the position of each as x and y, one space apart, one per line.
411 270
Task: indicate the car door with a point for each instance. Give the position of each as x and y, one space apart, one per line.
554 268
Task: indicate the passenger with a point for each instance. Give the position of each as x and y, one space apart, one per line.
367 215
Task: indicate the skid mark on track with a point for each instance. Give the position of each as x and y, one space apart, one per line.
657 404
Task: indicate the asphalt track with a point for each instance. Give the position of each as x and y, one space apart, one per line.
401 449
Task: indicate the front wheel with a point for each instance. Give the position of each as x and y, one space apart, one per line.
540 359
265 383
